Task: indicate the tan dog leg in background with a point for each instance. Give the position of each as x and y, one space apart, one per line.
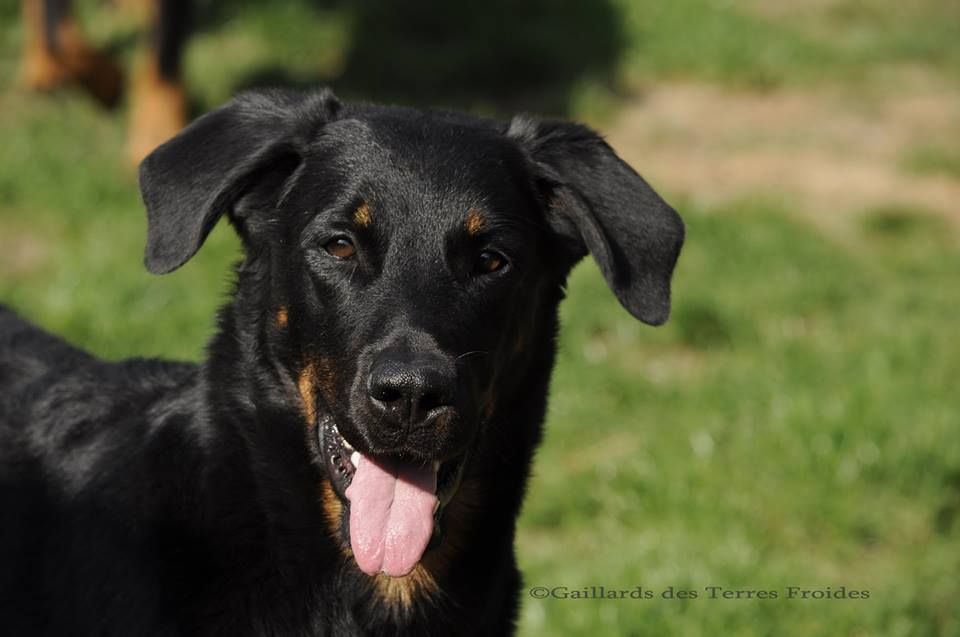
55 54
159 103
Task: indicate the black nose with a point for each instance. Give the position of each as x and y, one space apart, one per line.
405 388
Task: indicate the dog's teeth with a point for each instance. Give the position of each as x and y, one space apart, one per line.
355 458
347 445
436 465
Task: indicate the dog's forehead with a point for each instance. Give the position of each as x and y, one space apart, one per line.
403 172
435 153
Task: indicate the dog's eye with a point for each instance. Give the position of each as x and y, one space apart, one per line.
490 261
341 248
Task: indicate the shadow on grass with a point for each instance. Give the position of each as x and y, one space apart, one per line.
499 55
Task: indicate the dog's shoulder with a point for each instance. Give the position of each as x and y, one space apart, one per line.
66 408
42 372
28 353
92 453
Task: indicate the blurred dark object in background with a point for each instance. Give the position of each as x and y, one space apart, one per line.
503 54
508 51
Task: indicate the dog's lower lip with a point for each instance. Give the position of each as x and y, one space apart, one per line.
336 457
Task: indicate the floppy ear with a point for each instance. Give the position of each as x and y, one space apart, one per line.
599 204
190 181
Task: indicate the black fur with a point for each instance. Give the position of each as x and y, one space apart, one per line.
156 498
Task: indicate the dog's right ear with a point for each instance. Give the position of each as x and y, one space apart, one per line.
191 180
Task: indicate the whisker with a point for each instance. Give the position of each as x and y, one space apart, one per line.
476 351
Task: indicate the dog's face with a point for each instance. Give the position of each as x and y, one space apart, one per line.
407 279
405 283
404 262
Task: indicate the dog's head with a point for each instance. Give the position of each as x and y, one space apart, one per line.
406 270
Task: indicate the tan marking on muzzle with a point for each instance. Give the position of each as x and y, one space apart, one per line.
306 384
333 514
316 374
399 593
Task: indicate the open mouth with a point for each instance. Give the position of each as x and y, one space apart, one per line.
395 503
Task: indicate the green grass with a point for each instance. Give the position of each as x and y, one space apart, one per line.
794 424
932 160
700 39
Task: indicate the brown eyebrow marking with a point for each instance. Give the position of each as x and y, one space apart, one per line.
475 222
362 215
282 316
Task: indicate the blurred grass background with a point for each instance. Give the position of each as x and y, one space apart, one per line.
796 423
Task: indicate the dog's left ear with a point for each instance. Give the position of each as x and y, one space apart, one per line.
227 158
597 203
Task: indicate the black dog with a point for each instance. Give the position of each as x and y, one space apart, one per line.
351 457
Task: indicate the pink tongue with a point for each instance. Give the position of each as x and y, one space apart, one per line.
391 515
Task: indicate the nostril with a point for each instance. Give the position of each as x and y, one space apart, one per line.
386 394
